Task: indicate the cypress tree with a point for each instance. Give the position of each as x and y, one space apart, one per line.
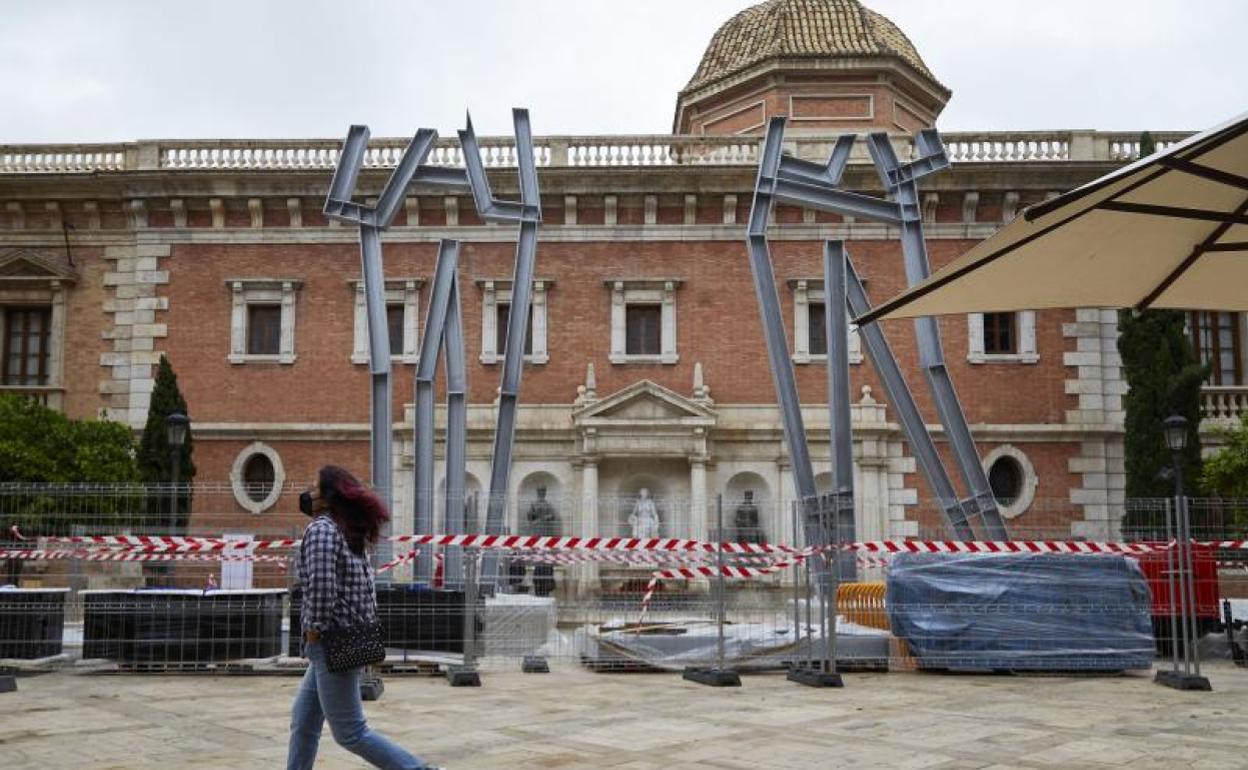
154 456
1164 379
1147 145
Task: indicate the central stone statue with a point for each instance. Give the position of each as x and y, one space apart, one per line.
746 520
645 517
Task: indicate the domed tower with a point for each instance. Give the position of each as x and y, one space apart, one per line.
829 65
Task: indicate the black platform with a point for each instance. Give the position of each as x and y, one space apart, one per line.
1179 681
813 677
712 677
32 622
176 627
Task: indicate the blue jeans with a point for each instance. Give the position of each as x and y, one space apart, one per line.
326 695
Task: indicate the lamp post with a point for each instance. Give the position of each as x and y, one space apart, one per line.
176 426
1175 429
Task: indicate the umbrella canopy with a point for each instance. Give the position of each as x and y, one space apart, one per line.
1168 231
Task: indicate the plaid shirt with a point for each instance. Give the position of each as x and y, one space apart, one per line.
337 585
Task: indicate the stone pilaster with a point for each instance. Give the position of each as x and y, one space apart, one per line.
133 279
1099 387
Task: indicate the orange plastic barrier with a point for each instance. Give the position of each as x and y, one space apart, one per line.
863 603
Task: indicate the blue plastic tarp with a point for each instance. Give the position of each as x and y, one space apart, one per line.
1051 612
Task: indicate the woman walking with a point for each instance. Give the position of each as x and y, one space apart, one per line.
337 586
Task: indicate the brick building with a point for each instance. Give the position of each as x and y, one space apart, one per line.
646 366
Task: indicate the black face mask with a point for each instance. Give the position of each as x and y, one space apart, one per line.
305 504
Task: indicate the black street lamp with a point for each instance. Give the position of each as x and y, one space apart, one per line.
1175 429
176 427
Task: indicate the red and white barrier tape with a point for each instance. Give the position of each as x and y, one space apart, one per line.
85 555
629 557
161 543
651 587
396 561
188 543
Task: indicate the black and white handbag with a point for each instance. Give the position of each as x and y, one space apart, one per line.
356 645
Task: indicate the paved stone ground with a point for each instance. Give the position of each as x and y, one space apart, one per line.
576 719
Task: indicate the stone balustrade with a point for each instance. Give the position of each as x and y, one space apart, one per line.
549 152
1223 403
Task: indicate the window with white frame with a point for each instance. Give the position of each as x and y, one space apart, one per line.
810 337
262 320
1002 338
402 307
33 292
496 313
643 321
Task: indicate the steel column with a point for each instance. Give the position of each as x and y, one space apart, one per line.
900 181
908 415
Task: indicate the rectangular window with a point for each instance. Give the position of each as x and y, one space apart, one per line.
1215 336
1000 333
643 326
26 345
394 320
503 311
817 326
264 330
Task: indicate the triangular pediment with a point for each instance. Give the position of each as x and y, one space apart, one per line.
35 264
645 402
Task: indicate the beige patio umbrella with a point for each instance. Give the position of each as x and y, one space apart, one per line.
1168 231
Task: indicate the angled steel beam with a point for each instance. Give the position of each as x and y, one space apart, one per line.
828 174
773 323
900 181
442 313
816 196
456 432
529 215
840 427
381 463
907 411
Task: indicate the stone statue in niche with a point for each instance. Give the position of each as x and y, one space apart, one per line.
745 520
645 517
542 519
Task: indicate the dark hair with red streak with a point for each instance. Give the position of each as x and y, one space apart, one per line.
355 508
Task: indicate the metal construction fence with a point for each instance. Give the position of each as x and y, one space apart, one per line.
96 578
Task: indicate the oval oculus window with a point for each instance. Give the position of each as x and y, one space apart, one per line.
259 476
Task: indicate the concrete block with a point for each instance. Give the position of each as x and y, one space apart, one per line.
151 330
1086 465
151 276
1081 358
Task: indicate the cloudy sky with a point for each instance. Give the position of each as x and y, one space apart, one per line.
125 69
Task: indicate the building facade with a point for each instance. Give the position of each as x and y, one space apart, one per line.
645 366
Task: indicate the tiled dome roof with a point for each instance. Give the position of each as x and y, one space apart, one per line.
802 29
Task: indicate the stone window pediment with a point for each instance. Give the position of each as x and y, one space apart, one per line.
645 402
35 266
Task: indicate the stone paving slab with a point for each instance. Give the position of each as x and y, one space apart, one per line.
573 718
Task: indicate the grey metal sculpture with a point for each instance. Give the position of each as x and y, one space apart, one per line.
810 185
443 324
372 220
